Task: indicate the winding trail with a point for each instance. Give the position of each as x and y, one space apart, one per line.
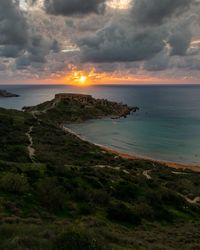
196 200
30 148
146 174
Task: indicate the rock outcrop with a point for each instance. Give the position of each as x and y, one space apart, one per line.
4 93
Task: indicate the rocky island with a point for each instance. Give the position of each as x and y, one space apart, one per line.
60 192
4 93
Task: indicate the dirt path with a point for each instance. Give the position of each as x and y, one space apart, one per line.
30 148
194 201
146 174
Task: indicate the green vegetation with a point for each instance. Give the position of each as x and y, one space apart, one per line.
74 195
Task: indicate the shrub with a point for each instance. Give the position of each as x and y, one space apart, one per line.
86 209
100 197
144 211
14 183
79 240
81 194
51 194
24 242
126 191
122 213
154 199
171 198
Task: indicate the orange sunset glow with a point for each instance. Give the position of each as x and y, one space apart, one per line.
78 77
86 77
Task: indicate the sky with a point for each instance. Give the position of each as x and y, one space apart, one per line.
99 41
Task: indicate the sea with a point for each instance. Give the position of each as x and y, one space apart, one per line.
166 127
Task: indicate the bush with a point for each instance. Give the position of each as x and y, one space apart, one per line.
24 242
99 197
86 209
144 211
122 213
51 194
79 240
171 198
126 191
155 200
14 183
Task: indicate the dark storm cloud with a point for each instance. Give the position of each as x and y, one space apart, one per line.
115 44
74 7
19 40
187 63
13 29
126 39
158 62
152 35
180 39
155 11
37 51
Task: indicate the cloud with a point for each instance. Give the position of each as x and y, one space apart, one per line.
186 63
126 39
19 39
74 7
154 37
13 29
181 37
154 12
158 62
37 51
119 41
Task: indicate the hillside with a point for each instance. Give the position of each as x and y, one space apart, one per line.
70 194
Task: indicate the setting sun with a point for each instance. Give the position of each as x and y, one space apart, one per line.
79 77
83 79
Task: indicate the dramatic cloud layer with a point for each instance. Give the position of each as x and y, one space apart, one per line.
120 43
156 11
13 29
157 38
74 7
126 38
18 39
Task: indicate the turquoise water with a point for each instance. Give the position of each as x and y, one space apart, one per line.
167 127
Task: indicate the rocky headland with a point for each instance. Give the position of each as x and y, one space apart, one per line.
4 93
80 107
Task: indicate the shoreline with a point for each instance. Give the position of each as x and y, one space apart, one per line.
174 165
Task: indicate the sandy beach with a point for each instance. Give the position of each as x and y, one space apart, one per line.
173 165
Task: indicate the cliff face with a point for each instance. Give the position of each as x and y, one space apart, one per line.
79 107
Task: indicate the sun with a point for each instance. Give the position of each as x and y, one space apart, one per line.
82 79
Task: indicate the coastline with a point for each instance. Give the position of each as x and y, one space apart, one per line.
174 165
